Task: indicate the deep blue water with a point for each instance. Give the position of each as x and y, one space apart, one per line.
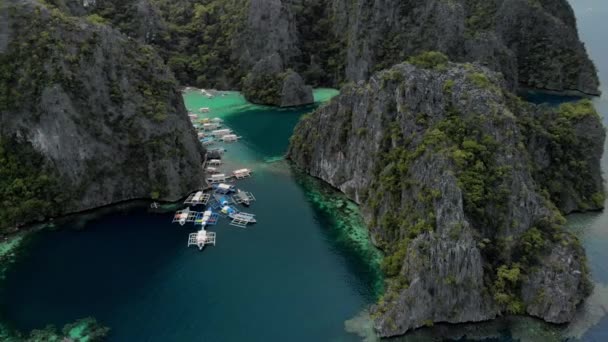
288 278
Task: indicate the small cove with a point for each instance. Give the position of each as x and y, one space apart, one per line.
295 275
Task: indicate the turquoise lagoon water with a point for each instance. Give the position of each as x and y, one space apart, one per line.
297 275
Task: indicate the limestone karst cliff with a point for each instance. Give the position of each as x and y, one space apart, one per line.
217 43
456 178
532 43
89 117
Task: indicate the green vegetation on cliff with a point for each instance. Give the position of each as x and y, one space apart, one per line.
264 88
22 71
215 43
323 50
568 155
451 172
195 39
94 105
429 60
199 42
28 188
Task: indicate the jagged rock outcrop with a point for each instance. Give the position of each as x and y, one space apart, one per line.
436 155
268 83
99 110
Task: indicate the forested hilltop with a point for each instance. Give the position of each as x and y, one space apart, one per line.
217 43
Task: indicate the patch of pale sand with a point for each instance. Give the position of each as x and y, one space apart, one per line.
362 326
594 309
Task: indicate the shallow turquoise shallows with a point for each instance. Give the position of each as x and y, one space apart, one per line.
295 276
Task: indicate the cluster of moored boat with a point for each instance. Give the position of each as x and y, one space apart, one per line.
210 130
222 198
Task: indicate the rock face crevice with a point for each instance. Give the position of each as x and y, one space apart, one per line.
436 155
101 109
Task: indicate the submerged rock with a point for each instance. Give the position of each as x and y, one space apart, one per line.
99 113
437 157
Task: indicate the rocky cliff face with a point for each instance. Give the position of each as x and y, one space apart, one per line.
100 111
533 44
438 156
139 19
270 40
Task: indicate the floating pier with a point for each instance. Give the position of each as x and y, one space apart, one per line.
241 173
198 198
241 220
243 198
201 238
184 216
